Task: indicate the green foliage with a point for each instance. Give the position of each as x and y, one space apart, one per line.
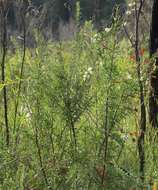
77 108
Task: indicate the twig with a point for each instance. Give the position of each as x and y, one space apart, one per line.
21 75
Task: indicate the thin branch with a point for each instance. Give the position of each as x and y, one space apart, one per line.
21 76
141 95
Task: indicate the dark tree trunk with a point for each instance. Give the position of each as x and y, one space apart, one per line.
153 95
154 29
65 11
4 17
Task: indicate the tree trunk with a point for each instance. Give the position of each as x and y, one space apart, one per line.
153 94
4 10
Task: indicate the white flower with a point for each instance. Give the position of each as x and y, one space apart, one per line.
90 70
88 74
131 4
128 12
125 23
101 63
129 77
94 38
26 112
20 38
115 18
125 137
86 77
107 29
28 115
95 35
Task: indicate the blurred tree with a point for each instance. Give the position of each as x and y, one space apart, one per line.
55 11
99 10
96 10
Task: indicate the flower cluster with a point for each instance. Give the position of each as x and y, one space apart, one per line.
94 38
125 137
131 4
88 74
131 8
99 62
128 12
107 29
